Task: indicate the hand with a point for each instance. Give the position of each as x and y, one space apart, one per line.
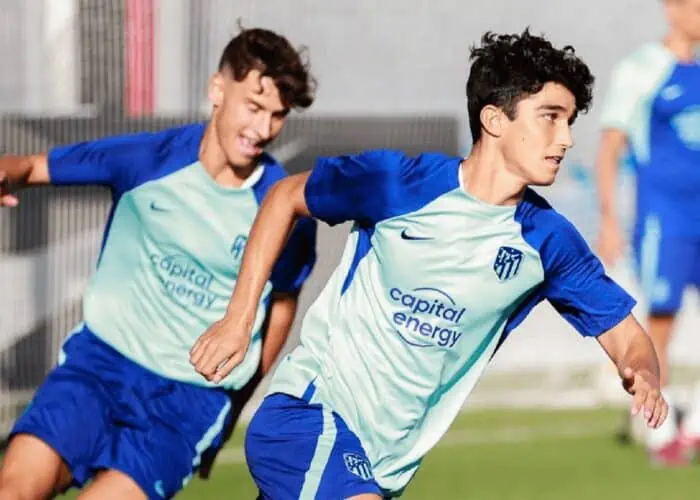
646 389
611 241
6 199
220 349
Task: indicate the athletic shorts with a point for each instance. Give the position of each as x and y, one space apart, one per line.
298 450
99 410
666 266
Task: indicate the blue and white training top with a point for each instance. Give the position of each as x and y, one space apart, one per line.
431 282
172 247
655 100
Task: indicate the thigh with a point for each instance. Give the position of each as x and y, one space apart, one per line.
32 469
70 414
112 485
299 450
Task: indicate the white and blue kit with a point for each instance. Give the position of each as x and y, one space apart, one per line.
431 283
655 100
124 395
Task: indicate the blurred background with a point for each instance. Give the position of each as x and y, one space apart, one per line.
391 74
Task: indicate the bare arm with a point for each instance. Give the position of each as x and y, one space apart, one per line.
20 171
610 240
224 345
281 207
280 320
612 145
630 348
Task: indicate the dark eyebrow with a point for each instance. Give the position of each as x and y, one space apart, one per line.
553 107
261 105
559 108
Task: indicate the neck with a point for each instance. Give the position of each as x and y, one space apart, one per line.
680 45
487 177
213 159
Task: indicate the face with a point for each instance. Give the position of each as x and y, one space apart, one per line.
248 115
684 17
535 141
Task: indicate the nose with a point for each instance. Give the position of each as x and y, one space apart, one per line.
264 126
565 138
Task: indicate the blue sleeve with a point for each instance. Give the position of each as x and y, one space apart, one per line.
109 162
577 286
377 185
297 260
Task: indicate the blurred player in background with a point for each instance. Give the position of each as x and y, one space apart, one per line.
125 407
446 257
652 108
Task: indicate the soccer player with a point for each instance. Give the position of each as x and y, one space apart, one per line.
446 257
652 108
124 407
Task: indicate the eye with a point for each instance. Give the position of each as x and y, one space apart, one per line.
253 107
551 116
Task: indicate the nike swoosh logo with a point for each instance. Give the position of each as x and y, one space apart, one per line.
406 236
158 486
156 208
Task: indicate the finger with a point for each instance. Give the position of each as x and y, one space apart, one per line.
198 345
664 414
215 356
223 371
198 349
205 364
9 200
658 412
640 396
650 404
628 374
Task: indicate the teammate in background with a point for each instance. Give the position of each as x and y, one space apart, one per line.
652 108
446 257
125 407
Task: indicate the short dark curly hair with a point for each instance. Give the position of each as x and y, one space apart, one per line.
272 55
508 68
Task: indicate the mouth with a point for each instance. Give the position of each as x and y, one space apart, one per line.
554 160
249 147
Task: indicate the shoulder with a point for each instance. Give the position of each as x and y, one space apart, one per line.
548 231
537 215
643 67
156 155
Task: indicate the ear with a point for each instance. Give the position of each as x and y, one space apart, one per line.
216 89
492 120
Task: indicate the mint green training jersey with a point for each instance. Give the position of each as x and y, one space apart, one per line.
172 247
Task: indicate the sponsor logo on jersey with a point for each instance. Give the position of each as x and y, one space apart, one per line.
426 317
183 279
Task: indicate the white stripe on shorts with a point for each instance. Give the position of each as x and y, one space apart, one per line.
324 446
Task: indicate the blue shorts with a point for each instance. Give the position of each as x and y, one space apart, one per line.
99 410
296 449
666 266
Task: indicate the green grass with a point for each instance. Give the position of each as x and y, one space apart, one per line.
514 455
